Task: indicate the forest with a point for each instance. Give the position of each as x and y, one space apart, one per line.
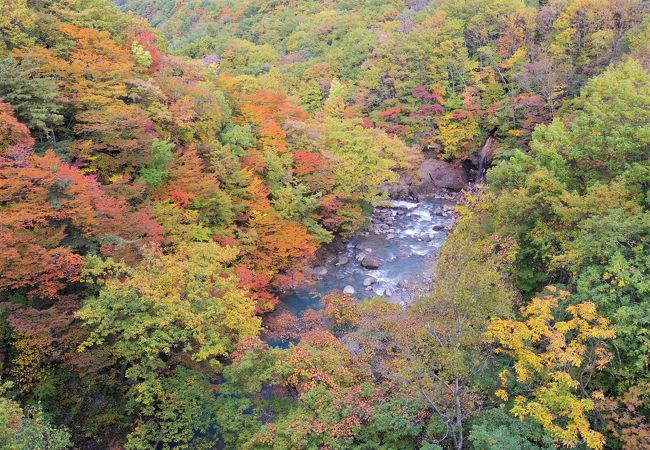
171 169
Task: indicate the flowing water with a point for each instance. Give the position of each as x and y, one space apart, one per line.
404 239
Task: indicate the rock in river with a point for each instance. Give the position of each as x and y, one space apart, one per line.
349 290
369 281
343 260
371 262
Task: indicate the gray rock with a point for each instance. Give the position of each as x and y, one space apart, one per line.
438 227
371 262
435 173
369 281
319 270
349 290
343 260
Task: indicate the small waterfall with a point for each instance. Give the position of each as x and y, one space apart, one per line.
485 157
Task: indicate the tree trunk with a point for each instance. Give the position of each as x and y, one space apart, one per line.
458 426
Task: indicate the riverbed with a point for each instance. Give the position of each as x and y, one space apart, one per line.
402 241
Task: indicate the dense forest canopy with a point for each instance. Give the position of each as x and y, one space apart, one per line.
168 168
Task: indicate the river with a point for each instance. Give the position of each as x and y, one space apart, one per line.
403 240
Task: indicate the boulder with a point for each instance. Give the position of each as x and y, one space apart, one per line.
343 260
349 290
320 271
397 190
436 174
438 227
369 281
371 262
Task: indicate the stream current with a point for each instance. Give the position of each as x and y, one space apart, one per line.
403 240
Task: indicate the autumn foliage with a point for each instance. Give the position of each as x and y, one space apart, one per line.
167 175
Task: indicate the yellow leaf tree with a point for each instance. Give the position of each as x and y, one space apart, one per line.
554 361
